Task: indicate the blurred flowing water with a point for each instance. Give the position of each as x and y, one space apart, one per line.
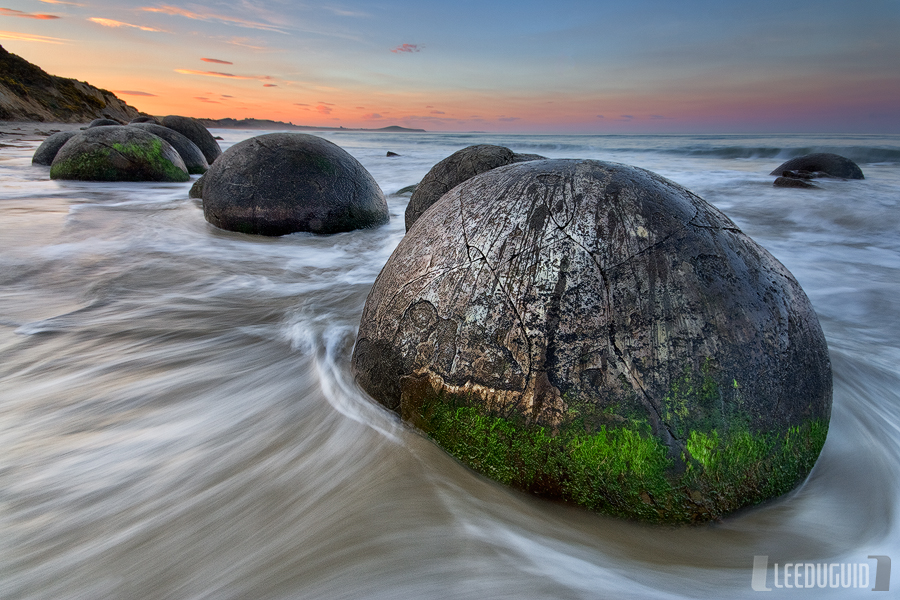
178 420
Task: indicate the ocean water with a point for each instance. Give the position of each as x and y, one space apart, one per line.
178 420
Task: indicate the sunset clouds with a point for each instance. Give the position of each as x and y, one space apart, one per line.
114 23
212 17
26 37
223 75
8 12
406 48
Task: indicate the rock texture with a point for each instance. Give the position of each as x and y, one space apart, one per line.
596 333
191 155
46 152
280 183
833 165
456 168
28 93
118 153
193 130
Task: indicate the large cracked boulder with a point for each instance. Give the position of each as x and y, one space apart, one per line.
117 153
279 183
191 155
596 333
193 130
832 165
456 168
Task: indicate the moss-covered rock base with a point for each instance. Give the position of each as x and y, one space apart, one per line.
624 470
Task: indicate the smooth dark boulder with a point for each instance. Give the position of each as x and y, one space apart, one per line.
146 119
595 333
280 183
391 154
102 123
120 153
197 133
46 152
191 155
456 168
833 165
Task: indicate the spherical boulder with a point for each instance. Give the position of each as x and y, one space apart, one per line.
118 153
833 165
103 123
191 155
145 119
196 190
197 133
456 168
46 152
279 183
595 333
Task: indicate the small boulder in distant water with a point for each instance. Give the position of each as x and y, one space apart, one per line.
197 133
118 154
456 168
46 152
279 183
391 154
794 182
832 165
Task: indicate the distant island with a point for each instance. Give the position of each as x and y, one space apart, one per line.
229 123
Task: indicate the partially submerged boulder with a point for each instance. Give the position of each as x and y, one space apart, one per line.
118 153
193 130
103 123
46 152
596 333
795 182
456 168
833 165
191 155
280 183
145 119
196 190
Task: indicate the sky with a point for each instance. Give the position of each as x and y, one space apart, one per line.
641 66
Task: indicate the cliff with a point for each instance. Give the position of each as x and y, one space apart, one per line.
28 93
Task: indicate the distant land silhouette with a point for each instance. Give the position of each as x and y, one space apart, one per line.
229 123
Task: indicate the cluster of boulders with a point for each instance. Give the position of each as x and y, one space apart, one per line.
595 333
800 171
144 150
268 185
